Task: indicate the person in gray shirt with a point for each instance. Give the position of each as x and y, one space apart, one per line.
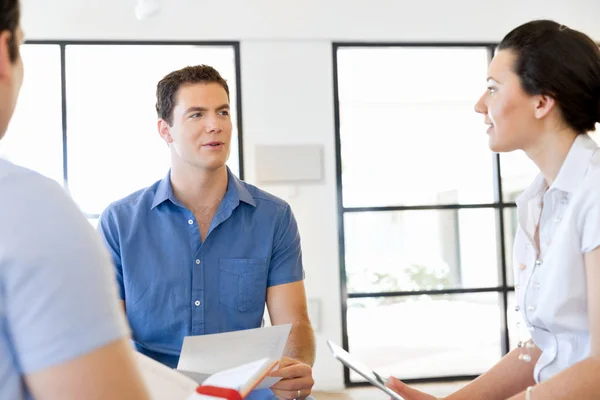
62 333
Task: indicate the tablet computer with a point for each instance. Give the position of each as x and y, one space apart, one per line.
373 377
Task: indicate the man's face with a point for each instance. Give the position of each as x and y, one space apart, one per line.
200 134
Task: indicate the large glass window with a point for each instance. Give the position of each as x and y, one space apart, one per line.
425 336
34 137
401 117
114 147
108 98
423 216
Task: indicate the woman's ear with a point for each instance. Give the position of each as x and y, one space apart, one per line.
543 104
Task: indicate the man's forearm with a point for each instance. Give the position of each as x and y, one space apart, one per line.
301 343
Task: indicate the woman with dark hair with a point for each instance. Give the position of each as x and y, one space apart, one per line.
543 97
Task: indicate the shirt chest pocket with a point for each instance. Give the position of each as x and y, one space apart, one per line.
243 283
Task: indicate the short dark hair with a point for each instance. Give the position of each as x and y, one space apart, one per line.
562 63
10 14
168 87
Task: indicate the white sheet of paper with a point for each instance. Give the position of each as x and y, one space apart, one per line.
267 383
209 354
200 378
236 378
162 382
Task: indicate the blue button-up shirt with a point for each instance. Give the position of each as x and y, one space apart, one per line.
175 285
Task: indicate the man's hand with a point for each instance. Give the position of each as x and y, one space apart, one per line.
297 380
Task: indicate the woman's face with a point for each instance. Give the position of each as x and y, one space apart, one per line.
508 110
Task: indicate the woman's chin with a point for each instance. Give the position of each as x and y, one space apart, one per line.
499 147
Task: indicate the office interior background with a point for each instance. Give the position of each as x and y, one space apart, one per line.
407 231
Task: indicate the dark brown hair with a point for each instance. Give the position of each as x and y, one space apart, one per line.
10 14
562 63
168 87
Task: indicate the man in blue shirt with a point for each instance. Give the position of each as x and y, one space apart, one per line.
62 333
201 252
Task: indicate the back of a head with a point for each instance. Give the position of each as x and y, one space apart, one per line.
562 63
10 14
9 26
167 88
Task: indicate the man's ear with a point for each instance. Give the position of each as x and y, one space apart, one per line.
6 64
164 130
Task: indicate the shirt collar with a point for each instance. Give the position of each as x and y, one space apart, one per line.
236 191
570 174
164 192
535 189
576 164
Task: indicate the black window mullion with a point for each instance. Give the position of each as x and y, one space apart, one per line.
501 243
404 293
63 90
434 207
501 251
341 210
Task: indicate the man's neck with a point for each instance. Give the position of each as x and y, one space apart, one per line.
199 188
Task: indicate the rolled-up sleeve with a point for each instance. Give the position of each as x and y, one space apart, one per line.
286 260
108 231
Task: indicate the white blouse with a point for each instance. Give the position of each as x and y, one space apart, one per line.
550 284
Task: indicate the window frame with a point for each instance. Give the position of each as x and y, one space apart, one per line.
63 44
498 205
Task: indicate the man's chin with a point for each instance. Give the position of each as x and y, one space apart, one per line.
212 167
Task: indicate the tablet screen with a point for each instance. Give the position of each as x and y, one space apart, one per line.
373 377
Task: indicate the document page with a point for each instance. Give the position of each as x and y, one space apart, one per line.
210 354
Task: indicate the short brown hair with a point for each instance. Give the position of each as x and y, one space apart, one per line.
10 14
167 88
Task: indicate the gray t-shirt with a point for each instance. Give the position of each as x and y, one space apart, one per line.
58 296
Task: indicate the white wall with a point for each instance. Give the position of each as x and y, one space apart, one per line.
287 83
295 106
302 19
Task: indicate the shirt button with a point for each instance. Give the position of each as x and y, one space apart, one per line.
531 308
197 303
517 286
522 267
517 308
197 262
538 263
191 221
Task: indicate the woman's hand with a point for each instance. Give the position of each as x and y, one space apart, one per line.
407 392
